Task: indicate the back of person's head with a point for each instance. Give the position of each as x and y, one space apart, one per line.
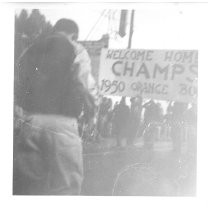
67 26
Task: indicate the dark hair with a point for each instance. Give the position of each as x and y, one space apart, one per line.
66 25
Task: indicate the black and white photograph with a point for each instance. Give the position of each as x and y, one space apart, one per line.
105 100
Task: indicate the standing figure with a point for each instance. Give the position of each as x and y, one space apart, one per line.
121 119
177 125
50 95
134 120
152 116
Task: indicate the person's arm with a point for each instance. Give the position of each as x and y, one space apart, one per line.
84 71
91 97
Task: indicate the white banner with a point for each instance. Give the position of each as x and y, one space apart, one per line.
157 74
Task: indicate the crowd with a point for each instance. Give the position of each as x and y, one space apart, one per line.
141 119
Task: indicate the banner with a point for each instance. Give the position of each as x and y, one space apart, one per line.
157 74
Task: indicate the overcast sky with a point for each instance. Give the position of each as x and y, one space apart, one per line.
156 26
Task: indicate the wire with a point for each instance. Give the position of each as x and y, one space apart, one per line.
109 20
101 15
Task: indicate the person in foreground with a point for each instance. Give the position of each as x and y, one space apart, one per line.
54 86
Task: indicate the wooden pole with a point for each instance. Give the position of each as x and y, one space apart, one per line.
131 29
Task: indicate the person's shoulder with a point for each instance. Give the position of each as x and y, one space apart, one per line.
80 46
80 49
48 43
59 40
59 45
56 38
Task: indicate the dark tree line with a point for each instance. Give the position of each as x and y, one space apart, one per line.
29 27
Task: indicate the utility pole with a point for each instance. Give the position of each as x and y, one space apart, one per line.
131 29
123 19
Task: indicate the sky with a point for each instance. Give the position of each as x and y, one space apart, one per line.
156 26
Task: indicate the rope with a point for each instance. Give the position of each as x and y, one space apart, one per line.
101 15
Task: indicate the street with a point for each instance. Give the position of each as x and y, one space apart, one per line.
135 170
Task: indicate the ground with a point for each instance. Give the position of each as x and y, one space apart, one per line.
134 170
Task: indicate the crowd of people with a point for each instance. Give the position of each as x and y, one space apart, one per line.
123 121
